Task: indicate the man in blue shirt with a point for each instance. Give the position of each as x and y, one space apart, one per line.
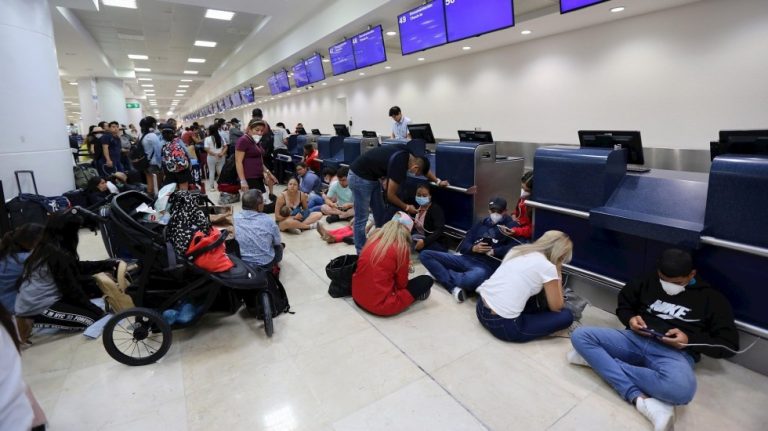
400 126
111 148
310 184
257 233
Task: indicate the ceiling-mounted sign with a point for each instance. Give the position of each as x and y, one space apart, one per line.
132 105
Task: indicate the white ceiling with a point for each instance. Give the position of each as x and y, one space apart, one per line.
263 37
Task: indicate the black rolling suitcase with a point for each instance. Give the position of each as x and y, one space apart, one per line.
26 207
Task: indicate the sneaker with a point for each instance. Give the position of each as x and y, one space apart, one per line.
349 240
424 295
313 225
333 218
458 294
576 359
661 414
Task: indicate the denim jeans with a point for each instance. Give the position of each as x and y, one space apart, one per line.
452 270
525 327
314 202
366 194
636 365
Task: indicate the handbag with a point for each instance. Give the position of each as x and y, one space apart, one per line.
208 252
340 271
114 290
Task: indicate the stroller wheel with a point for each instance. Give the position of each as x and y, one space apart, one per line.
137 336
266 305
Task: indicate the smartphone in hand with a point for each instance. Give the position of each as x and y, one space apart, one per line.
655 334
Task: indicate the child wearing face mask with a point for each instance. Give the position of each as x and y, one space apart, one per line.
428 223
524 223
672 317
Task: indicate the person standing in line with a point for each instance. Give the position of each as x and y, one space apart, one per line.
216 150
234 135
249 158
400 125
111 148
153 148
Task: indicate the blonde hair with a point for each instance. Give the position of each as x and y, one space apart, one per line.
556 246
392 234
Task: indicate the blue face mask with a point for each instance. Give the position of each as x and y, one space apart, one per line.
422 200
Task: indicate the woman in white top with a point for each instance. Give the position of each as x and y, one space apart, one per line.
216 148
523 299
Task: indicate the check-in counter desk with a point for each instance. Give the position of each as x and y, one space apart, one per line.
416 146
476 175
621 221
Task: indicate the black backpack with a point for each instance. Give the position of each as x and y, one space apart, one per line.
137 155
278 299
228 173
340 271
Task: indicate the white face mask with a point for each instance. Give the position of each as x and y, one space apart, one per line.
672 289
256 138
524 194
496 217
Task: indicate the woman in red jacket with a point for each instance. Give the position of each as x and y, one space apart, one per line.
522 216
380 284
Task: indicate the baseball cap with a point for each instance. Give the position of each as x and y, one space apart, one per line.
497 204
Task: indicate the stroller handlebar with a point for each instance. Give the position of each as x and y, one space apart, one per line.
88 213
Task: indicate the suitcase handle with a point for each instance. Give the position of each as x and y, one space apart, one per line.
18 183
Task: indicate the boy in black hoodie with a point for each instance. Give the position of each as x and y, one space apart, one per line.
668 315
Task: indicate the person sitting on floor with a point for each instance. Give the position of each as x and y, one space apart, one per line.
97 192
523 228
523 299
292 209
338 201
380 284
55 287
257 233
15 248
480 250
429 222
671 317
310 157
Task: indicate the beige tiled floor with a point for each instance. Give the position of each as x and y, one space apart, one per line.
332 366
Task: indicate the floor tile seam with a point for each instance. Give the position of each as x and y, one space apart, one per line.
426 373
571 409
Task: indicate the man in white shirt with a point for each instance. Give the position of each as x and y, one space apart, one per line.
400 125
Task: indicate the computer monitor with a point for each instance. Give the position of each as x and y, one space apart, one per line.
341 130
422 131
614 139
475 136
369 134
316 132
750 142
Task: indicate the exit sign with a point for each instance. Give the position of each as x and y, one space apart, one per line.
132 105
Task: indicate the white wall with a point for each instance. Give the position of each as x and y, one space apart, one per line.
678 75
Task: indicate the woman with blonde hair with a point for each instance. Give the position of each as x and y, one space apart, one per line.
380 284
523 299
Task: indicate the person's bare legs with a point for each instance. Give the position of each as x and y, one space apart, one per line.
315 216
292 223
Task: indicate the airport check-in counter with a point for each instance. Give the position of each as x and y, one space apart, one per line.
330 151
355 146
475 175
416 146
620 222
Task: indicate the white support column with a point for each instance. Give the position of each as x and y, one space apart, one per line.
112 100
31 111
89 102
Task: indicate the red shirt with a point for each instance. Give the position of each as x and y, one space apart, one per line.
186 137
311 161
380 287
524 222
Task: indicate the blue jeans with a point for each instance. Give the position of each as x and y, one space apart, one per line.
435 246
366 193
636 365
452 270
314 202
526 326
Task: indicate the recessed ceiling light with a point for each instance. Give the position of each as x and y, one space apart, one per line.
325 83
618 9
138 57
181 91
190 72
466 48
526 32
183 86
341 79
391 33
130 4
387 67
205 43
176 100
142 69
325 60
75 104
196 60
298 91
73 83
187 80
147 85
259 87
219 14
362 73
421 59
144 79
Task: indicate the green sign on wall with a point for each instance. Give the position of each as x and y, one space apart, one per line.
132 105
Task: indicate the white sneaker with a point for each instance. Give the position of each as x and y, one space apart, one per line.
313 225
661 414
576 359
458 294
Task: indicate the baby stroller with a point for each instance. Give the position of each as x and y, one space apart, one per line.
140 336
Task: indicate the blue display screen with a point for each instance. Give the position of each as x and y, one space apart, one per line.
572 5
342 57
369 48
314 67
272 83
468 18
282 81
236 99
422 28
246 94
300 74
